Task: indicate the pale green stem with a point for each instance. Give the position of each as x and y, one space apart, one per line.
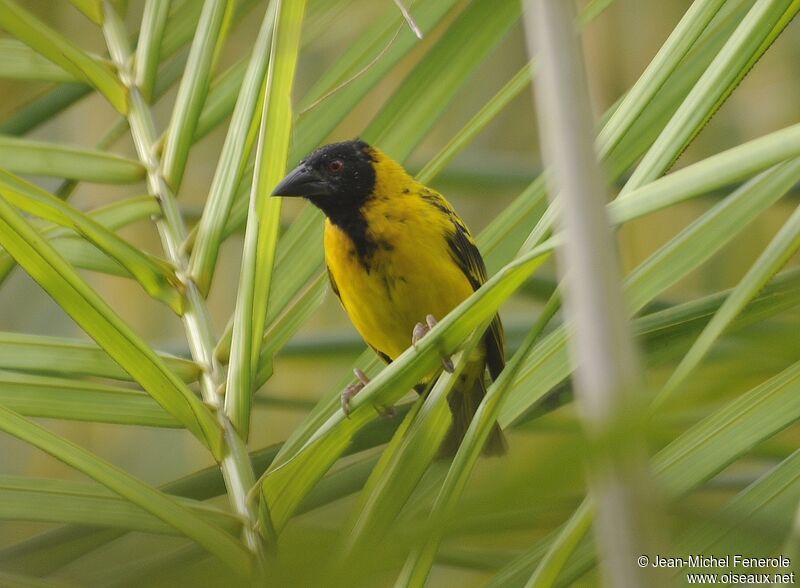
607 376
235 464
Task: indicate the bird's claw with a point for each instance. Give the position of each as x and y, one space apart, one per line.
353 389
422 329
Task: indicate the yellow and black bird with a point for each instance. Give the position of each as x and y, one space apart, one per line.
398 257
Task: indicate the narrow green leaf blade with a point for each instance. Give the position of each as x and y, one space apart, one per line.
63 501
697 455
39 158
214 539
410 112
699 240
367 62
785 243
409 454
20 62
707 175
745 45
71 358
69 399
208 40
113 216
263 222
61 51
419 562
477 123
668 58
72 293
235 153
93 9
43 108
156 276
764 502
690 248
148 48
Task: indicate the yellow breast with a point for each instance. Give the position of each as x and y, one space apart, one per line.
408 273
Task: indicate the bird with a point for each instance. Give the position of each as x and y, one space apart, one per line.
399 258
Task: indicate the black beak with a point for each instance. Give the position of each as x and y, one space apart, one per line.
302 181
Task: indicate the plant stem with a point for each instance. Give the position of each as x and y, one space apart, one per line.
235 464
608 380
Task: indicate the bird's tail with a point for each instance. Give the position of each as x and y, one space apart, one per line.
463 404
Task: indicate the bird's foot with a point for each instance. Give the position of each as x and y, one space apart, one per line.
350 392
422 329
353 389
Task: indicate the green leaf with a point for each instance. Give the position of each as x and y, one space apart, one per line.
477 123
84 255
235 153
38 158
404 461
716 441
47 397
290 287
169 510
41 109
694 245
727 69
93 9
565 543
148 48
281 328
667 60
23 63
261 236
418 565
208 41
180 27
764 502
648 118
367 62
426 92
221 99
671 327
57 356
95 317
782 247
50 551
113 216
699 240
63 501
698 454
707 175
156 276
54 46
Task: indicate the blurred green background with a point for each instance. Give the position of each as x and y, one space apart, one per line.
495 168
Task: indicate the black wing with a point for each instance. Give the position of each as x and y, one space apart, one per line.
465 253
335 289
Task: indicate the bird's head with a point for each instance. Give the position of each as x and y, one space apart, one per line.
337 178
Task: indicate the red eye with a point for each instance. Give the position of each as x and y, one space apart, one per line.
336 166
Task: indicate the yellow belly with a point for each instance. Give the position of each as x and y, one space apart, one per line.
409 275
